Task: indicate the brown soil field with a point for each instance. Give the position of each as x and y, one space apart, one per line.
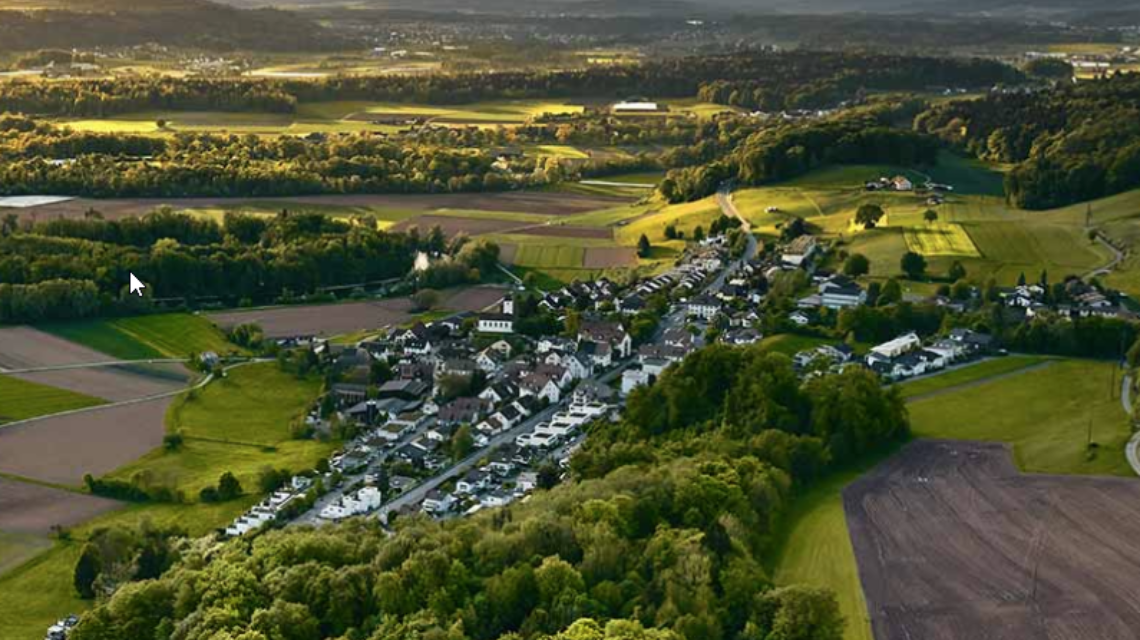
552 203
954 542
335 319
30 508
28 348
598 233
453 226
610 257
60 450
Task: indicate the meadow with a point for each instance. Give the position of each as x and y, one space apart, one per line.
239 424
20 400
1046 414
171 335
975 227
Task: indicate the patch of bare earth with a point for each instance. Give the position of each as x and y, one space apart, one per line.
62 449
350 317
35 509
954 542
28 348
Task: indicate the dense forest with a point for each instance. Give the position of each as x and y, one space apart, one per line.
803 78
788 150
185 23
659 535
68 269
1073 143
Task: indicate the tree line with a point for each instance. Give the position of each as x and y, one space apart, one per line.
70 269
755 78
781 152
660 534
1069 143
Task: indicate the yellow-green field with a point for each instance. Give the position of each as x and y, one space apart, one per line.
20 400
941 239
170 335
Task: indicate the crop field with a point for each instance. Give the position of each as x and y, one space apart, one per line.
1046 414
686 217
173 335
30 509
240 424
349 317
62 449
16 549
21 399
953 542
941 239
549 256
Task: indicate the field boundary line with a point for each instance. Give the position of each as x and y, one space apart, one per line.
12 477
126 403
977 383
95 365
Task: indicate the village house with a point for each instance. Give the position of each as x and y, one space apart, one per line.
703 307
611 333
496 323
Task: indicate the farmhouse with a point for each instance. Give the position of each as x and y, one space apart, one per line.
799 251
636 107
840 292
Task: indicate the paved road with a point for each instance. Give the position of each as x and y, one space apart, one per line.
728 207
1132 449
94 365
1117 258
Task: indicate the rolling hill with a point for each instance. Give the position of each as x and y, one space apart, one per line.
41 24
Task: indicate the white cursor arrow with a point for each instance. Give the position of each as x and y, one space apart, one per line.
136 285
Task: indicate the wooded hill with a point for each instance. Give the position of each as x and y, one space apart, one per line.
182 23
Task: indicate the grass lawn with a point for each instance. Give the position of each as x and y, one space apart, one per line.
240 424
170 335
20 400
969 374
1045 414
814 548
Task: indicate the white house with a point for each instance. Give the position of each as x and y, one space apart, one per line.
634 377
898 346
704 307
841 292
496 323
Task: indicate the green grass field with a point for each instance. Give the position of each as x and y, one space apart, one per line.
172 335
815 549
790 344
240 424
1045 414
253 404
20 400
975 225
970 374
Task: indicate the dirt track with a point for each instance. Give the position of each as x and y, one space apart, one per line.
330 320
27 348
953 543
62 449
29 508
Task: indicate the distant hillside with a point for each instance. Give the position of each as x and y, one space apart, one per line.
186 23
1007 8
